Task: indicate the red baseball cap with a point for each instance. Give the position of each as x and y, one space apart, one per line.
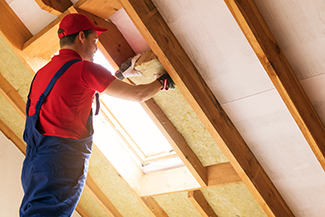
74 23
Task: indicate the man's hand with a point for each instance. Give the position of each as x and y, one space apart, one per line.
127 68
166 82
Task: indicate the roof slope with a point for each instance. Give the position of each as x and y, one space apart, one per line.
246 118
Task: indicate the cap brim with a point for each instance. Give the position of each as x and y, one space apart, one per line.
100 30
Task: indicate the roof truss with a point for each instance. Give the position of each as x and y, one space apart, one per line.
243 167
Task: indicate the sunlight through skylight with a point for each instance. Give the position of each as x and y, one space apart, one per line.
132 124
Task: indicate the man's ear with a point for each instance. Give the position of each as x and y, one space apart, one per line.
81 36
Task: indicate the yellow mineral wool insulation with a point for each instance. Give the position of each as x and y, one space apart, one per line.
233 201
177 205
11 118
14 70
114 188
88 203
183 117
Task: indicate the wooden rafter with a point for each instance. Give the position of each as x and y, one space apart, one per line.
39 49
280 72
12 137
12 96
154 208
55 7
174 59
101 8
177 142
12 27
101 198
181 180
199 201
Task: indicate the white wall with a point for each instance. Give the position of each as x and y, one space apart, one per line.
11 192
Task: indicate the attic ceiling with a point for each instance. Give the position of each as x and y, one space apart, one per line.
246 117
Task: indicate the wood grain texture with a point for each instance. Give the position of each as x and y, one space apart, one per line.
201 204
154 208
174 59
13 28
280 72
55 7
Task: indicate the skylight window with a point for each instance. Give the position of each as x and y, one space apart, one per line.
127 124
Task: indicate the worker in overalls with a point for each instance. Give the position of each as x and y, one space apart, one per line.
59 129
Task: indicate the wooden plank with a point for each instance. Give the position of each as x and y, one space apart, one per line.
101 198
199 201
180 180
12 27
13 137
39 49
102 8
81 211
55 7
280 72
177 141
12 95
154 208
112 41
222 174
174 59
168 181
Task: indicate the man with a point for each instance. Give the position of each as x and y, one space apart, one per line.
58 129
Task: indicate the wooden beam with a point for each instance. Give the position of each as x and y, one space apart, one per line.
180 180
12 27
113 41
101 198
39 49
13 97
199 201
177 141
154 208
103 9
13 137
280 72
55 7
174 59
170 132
81 211
168 181
222 174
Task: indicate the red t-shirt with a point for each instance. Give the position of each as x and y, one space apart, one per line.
65 111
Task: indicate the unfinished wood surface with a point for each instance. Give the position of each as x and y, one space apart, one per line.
12 27
181 179
222 174
13 137
55 7
41 47
168 181
155 209
201 204
81 212
174 59
101 198
102 8
12 95
280 72
177 141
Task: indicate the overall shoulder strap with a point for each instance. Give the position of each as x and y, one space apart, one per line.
49 86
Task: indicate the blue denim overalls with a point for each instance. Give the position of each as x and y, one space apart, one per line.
55 169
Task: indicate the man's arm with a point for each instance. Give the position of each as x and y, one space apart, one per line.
137 93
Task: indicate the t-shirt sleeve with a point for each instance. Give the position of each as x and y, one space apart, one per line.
96 76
